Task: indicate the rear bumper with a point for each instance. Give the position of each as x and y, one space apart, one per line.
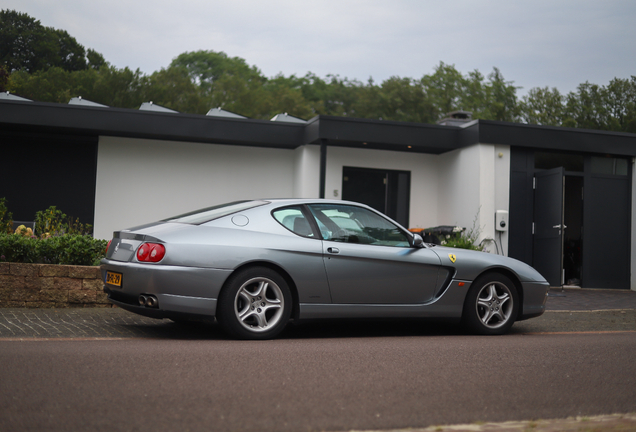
169 306
179 290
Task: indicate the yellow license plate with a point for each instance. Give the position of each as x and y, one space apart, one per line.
113 278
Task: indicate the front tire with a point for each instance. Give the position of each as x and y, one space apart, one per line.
256 303
491 305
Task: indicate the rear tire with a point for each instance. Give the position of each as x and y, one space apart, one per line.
255 303
491 305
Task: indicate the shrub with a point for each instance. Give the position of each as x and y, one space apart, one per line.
18 248
54 222
75 227
50 250
467 239
24 231
62 240
71 249
82 250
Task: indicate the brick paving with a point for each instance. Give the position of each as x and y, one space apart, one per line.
18 323
86 323
578 299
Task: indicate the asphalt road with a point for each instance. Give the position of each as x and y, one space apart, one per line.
336 376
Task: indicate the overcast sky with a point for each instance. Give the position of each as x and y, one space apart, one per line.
538 43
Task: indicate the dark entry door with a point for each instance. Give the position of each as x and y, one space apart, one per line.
547 255
387 191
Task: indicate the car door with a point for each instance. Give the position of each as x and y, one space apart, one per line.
369 260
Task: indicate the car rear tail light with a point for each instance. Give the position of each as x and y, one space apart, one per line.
151 252
108 246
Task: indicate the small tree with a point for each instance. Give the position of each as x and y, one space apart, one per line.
49 222
6 218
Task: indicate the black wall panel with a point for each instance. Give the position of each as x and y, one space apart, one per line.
607 228
38 171
521 206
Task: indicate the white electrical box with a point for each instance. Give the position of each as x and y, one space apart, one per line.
501 220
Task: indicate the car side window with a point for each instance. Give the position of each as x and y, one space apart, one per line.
351 224
294 220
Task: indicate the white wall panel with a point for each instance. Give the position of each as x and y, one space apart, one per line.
474 182
307 172
502 189
140 181
459 187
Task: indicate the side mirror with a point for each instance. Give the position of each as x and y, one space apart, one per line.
418 242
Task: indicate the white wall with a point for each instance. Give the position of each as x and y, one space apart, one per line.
459 200
141 181
473 183
423 168
307 171
502 187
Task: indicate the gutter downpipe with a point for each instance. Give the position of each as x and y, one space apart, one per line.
323 167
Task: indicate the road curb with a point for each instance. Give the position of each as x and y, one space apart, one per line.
605 423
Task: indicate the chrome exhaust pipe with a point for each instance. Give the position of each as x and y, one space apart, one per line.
142 300
151 301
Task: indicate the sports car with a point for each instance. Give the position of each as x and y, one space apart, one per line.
255 265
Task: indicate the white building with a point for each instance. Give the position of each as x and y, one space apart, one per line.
117 168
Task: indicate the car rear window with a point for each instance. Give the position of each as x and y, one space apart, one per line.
207 214
294 220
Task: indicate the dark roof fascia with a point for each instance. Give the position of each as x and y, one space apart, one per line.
469 134
120 122
42 117
557 138
380 134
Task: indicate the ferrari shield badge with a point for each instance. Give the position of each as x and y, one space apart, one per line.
452 257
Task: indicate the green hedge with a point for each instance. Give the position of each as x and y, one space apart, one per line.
70 249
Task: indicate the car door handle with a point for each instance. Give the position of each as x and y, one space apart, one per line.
559 226
333 250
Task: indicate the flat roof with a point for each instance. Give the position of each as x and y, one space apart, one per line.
51 118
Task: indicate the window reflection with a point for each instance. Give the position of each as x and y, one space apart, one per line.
294 220
351 224
609 165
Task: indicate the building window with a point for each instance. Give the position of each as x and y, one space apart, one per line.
570 162
609 166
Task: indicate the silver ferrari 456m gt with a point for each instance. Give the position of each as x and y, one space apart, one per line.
255 265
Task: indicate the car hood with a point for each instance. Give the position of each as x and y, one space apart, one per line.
469 264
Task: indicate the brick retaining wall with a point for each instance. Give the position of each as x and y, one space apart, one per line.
48 286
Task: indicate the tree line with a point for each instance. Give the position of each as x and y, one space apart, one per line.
49 65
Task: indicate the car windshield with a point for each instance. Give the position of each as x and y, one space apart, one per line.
198 217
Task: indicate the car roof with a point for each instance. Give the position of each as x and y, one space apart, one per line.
309 201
